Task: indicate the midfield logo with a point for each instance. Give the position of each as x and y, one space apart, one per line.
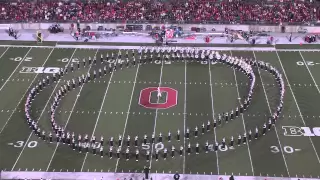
300 131
37 70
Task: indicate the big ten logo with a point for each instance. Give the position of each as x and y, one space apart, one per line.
39 70
301 131
169 98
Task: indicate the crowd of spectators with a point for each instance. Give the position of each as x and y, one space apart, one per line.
183 11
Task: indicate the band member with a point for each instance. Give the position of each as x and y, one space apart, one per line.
101 152
208 125
187 133
148 155
239 140
111 142
181 150
145 137
137 155
110 152
231 142
165 151
160 137
118 153
136 141
196 131
189 149
152 138
197 148
202 128
101 141
264 129
178 135
119 140
249 135
244 138
207 147
157 154
172 151
127 154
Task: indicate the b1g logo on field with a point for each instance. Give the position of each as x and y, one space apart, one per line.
300 131
39 70
170 96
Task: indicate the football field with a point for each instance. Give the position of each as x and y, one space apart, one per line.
124 103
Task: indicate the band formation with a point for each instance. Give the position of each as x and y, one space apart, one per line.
124 147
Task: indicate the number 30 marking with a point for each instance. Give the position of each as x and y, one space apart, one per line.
286 149
31 144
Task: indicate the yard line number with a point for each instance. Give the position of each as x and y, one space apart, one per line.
18 59
164 62
206 62
157 146
20 144
66 60
286 149
309 63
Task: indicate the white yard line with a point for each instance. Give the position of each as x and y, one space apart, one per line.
295 100
156 116
244 125
184 116
4 52
100 111
30 135
270 111
26 90
69 117
213 112
128 112
15 69
314 81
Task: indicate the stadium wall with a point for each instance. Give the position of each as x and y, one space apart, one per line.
217 27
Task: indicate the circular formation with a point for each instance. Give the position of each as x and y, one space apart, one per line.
111 64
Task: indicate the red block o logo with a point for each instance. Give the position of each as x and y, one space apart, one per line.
171 98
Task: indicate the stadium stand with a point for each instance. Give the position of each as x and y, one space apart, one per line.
182 11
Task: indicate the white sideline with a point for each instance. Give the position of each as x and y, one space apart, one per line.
113 176
265 49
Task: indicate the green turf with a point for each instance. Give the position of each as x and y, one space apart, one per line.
110 106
